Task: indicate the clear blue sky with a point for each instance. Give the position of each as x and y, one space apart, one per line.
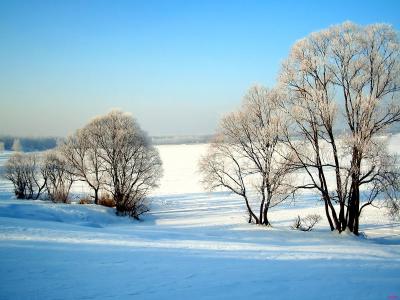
178 66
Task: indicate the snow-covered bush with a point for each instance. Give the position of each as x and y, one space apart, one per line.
23 170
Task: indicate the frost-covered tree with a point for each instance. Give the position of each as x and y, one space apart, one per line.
360 68
23 170
83 155
16 146
246 154
131 164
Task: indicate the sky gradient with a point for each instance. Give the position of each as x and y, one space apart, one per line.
177 66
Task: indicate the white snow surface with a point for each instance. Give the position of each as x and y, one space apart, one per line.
192 245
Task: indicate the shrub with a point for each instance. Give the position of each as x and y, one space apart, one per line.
107 200
85 200
307 223
22 170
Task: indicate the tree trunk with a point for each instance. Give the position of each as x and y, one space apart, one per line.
328 215
251 213
354 197
334 215
262 209
353 208
265 219
96 196
342 218
41 188
120 203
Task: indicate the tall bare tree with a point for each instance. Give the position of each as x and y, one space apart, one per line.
359 67
246 155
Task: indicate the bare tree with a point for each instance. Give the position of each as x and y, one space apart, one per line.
59 176
23 170
246 155
83 155
132 164
2 147
359 66
223 167
16 146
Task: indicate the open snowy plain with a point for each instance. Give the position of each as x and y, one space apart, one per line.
192 245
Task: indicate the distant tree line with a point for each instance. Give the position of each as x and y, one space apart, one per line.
112 154
32 144
181 139
29 144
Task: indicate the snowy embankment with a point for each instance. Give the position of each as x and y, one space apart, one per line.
193 245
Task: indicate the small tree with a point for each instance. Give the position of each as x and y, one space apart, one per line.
59 176
2 147
16 146
132 165
23 170
246 155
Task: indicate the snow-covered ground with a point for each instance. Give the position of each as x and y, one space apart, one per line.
193 245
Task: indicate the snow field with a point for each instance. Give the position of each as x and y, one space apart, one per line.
192 245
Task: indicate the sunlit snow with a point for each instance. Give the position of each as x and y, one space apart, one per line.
192 245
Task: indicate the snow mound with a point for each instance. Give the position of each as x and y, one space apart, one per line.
83 215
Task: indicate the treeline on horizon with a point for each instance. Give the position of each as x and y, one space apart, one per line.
31 144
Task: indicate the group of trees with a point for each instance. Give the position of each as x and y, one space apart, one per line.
112 154
338 92
324 122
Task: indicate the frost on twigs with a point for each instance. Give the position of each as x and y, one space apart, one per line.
247 156
357 67
23 170
58 177
129 164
